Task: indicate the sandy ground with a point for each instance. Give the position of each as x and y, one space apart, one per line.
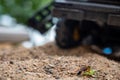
51 63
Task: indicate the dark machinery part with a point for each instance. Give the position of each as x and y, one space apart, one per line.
68 33
97 20
42 20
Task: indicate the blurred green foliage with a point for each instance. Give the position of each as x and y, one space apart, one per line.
21 9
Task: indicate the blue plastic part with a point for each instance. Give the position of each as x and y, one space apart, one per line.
107 50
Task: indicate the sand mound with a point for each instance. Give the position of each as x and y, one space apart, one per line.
51 63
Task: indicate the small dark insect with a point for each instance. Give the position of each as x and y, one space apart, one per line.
86 71
82 69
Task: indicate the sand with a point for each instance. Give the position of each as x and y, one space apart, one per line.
49 62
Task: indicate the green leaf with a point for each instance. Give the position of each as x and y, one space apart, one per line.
89 73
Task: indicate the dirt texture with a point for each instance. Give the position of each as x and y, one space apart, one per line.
51 63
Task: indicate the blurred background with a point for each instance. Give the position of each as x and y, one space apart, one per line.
22 10
22 20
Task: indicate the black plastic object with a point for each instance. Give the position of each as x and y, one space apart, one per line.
68 33
99 24
42 20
